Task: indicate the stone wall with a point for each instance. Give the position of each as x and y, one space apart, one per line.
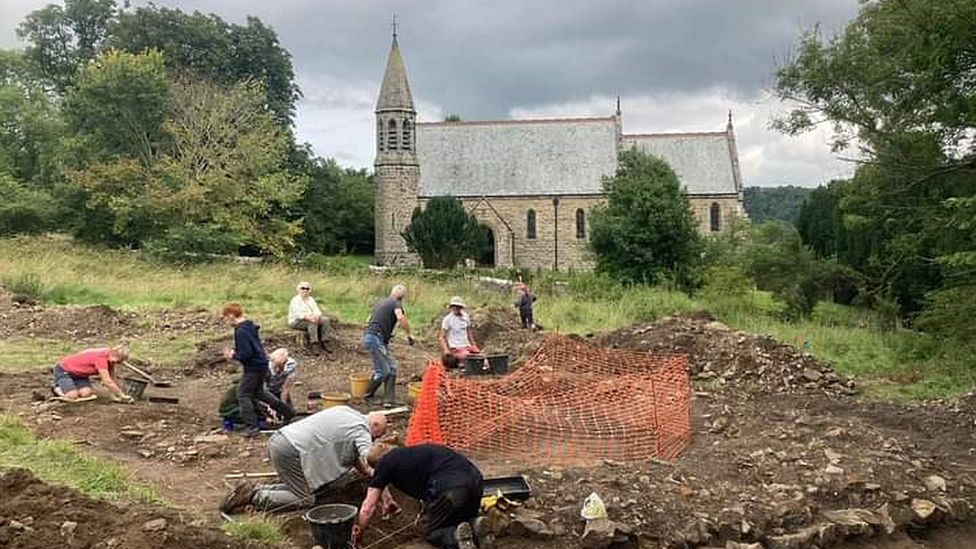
396 197
728 206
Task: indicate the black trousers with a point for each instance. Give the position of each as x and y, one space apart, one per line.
250 390
526 317
445 508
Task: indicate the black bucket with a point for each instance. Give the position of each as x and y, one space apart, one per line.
332 525
475 365
134 387
498 364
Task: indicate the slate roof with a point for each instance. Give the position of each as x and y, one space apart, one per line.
559 157
702 161
516 157
395 91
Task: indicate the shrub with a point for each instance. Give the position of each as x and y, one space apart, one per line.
443 233
192 244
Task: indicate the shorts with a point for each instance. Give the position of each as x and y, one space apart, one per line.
67 382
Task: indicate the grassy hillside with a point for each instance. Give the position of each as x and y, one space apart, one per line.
56 270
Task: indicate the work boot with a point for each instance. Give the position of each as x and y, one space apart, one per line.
239 497
374 384
483 536
464 536
389 392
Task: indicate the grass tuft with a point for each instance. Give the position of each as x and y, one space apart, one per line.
59 462
259 528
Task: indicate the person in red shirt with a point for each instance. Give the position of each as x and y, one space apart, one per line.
72 373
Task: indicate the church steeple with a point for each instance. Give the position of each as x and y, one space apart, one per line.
395 91
395 115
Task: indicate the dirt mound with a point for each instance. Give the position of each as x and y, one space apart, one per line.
35 515
86 324
717 352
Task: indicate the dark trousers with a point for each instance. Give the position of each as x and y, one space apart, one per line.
526 317
447 508
250 390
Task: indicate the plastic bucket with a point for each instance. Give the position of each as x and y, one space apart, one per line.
134 387
498 364
358 383
335 399
413 390
332 524
475 365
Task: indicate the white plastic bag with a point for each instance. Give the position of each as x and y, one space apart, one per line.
593 508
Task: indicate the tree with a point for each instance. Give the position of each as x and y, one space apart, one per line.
647 231
766 203
442 233
205 46
61 39
897 83
29 124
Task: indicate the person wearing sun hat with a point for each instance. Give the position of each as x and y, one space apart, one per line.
455 336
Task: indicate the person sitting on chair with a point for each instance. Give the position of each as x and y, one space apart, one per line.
304 314
455 336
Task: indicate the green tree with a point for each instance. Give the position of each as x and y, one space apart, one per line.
647 231
30 127
205 46
62 38
443 233
766 203
898 83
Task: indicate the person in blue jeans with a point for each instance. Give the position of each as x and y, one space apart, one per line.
387 314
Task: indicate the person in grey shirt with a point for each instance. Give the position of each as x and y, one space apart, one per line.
311 456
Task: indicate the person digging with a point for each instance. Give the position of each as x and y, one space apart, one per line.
447 483
387 314
313 457
250 353
72 374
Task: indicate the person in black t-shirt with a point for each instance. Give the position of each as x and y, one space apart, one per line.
447 483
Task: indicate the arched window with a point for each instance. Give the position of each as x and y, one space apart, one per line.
391 136
379 135
530 225
407 130
715 217
580 223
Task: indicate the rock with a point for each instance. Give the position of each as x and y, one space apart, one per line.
132 435
598 534
797 540
833 470
68 528
211 439
832 456
16 525
811 375
923 508
935 483
740 545
856 522
531 527
155 525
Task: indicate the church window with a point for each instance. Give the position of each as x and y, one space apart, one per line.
391 136
407 130
379 135
580 223
530 225
715 217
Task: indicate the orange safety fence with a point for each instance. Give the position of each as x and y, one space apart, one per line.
571 403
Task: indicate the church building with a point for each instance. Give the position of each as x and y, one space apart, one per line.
531 183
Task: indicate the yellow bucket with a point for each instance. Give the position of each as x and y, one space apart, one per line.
358 383
335 399
413 390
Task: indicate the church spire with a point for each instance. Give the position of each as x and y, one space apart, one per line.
395 91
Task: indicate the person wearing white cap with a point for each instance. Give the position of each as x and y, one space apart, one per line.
455 336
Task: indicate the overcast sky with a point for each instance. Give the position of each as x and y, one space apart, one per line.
678 65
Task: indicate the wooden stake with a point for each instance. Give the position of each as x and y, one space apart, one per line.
270 474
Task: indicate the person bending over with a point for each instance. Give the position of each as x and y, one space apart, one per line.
312 457
282 374
72 374
250 353
447 483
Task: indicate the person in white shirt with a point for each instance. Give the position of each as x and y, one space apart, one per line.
455 336
304 314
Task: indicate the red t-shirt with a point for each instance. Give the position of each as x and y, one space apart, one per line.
86 363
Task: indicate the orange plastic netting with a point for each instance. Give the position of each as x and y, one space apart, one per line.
571 403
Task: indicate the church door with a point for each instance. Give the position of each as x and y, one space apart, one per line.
486 252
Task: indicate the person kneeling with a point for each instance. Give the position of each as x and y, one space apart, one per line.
447 483
72 374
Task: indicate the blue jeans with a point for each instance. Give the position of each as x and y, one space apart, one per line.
384 364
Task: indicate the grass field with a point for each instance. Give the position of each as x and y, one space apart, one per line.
891 363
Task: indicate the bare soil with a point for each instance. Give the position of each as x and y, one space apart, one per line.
780 440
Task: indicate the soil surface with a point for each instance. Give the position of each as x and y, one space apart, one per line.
784 453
